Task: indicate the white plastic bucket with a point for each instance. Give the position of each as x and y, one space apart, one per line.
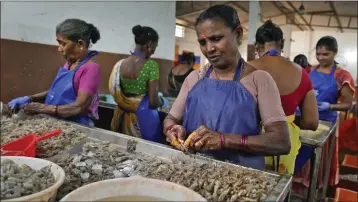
37 164
133 186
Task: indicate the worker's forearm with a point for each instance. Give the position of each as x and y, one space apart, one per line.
170 120
258 145
39 97
273 142
305 126
344 106
64 111
158 102
70 110
298 122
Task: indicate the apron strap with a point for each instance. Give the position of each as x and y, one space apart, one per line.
237 72
207 74
315 69
139 54
333 68
272 52
89 56
276 164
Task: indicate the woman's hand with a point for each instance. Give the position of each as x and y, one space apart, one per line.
323 106
205 139
19 102
34 108
176 134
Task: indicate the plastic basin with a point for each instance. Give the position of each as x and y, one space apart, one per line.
37 164
133 186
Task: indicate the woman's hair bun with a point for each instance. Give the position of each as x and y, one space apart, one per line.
95 35
269 32
268 22
137 30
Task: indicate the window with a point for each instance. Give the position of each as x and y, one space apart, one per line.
179 31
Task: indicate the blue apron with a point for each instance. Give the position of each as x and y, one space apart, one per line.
326 89
148 119
226 107
62 91
149 122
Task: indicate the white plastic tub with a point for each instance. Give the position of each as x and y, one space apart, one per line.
37 164
133 186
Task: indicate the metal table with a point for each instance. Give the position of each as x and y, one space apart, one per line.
317 143
279 193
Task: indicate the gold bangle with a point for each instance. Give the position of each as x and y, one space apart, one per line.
54 110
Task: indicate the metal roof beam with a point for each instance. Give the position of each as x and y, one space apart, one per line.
304 20
238 6
336 15
320 13
287 14
353 28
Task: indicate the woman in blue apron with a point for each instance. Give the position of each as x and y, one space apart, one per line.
334 88
73 94
218 110
134 84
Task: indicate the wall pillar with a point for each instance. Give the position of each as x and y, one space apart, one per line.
254 20
287 34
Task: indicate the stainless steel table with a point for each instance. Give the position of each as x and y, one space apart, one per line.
280 191
317 143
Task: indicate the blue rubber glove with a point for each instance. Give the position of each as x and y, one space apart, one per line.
19 102
165 102
323 106
160 94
